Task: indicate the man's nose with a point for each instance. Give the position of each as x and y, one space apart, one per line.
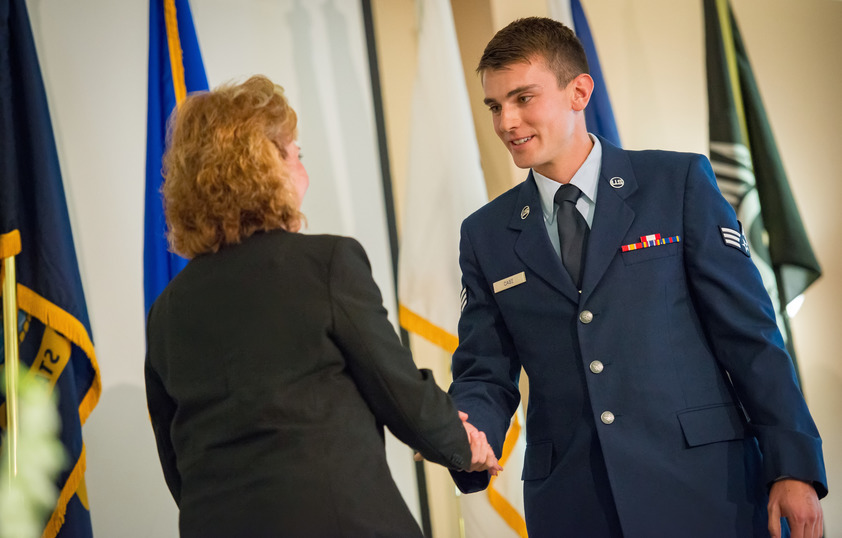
509 118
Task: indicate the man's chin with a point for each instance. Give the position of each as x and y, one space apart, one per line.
523 164
520 161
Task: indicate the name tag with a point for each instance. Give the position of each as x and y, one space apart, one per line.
509 282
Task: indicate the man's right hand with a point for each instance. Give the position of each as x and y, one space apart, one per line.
482 455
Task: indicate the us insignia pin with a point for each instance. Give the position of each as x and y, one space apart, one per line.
735 239
524 212
616 182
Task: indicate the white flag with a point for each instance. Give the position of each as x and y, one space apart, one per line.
445 184
561 11
498 511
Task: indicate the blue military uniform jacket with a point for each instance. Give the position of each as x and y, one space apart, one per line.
661 394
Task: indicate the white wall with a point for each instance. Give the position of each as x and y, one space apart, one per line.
93 56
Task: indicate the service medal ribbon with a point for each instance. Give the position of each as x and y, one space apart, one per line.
652 240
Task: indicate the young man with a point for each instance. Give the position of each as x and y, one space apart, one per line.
662 400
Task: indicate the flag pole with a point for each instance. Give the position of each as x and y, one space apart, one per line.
391 221
10 334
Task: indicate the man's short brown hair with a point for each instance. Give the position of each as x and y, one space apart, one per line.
525 39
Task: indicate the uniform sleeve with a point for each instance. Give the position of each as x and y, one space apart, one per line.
401 396
161 412
485 365
739 321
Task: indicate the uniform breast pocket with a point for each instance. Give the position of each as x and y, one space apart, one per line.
640 255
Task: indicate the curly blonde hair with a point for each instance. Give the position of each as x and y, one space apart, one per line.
224 169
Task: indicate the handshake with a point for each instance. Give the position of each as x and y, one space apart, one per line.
482 455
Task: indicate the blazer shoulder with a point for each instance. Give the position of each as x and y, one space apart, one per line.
322 246
497 210
334 251
653 158
668 170
314 241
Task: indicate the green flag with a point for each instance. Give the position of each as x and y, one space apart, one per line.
749 170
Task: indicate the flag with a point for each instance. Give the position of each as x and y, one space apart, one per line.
175 69
748 168
498 511
54 331
599 116
445 184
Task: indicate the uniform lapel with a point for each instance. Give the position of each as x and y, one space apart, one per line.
533 246
612 217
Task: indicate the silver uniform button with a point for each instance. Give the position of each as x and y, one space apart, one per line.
597 367
607 417
586 316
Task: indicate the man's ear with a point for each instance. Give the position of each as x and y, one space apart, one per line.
581 88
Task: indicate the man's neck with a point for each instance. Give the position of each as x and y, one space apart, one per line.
570 159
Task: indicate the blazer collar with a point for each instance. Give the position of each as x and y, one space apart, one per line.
612 219
612 216
533 246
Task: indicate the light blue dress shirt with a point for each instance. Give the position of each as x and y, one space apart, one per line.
586 179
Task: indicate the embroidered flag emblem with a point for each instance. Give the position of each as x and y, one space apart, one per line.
735 239
652 240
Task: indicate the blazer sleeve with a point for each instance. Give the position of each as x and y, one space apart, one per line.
486 367
407 400
161 412
739 320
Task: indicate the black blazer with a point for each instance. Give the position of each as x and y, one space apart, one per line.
270 369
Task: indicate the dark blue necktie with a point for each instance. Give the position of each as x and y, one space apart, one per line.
572 231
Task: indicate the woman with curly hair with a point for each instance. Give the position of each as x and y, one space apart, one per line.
271 366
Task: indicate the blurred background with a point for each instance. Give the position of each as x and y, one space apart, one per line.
93 56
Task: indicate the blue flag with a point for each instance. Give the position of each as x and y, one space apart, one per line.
599 116
175 69
54 331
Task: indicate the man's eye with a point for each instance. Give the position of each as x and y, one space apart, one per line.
494 109
524 98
